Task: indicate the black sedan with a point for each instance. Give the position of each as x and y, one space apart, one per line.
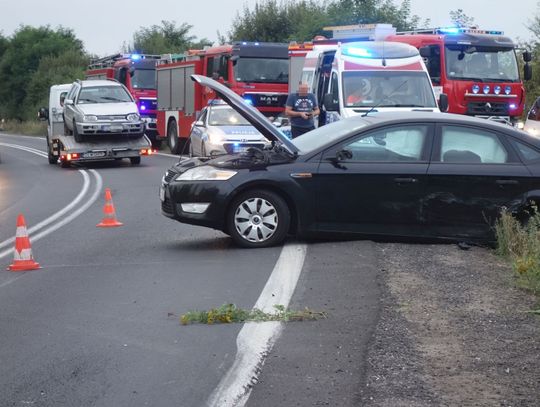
414 174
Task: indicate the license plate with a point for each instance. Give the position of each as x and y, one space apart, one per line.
240 149
94 154
113 128
162 194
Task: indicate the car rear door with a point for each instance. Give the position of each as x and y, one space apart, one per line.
374 183
473 174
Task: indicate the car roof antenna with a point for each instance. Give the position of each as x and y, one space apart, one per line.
383 99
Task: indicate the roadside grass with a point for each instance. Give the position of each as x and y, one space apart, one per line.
28 128
520 244
230 313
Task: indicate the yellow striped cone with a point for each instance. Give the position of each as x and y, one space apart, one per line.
23 259
109 218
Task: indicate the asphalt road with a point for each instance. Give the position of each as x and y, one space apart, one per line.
98 324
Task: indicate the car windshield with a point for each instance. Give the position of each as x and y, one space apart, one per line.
262 70
481 63
103 94
225 116
144 79
327 134
387 89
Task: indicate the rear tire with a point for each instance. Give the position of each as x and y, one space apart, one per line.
258 218
50 156
135 160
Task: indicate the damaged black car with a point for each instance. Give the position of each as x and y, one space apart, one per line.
403 174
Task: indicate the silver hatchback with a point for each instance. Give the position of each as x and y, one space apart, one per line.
100 108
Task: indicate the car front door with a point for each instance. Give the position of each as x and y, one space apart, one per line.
69 105
374 182
473 174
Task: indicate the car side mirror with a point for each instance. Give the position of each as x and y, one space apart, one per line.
443 102
43 113
68 102
527 72
330 104
199 123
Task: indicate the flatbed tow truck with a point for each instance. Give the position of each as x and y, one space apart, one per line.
64 150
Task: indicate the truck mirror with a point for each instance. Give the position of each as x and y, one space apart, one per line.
43 113
527 56
131 71
425 52
443 102
527 72
330 104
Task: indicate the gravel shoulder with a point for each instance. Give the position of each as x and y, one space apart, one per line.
452 331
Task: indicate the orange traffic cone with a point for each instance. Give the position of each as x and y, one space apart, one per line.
109 220
23 259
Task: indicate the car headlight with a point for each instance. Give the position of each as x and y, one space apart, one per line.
215 138
206 173
133 117
90 118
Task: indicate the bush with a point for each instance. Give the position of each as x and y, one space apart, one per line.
29 128
520 243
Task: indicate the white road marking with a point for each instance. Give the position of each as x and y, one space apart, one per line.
256 339
48 230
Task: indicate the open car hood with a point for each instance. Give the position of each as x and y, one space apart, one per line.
252 115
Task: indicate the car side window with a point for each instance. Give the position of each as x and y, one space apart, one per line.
71 94
466 145
391 144
526 153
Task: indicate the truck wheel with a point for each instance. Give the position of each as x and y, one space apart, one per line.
135 160
79 138
52 159
172 137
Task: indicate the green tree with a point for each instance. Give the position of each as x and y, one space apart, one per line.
288 20
52 70
21 59
460 19
532 87
165 38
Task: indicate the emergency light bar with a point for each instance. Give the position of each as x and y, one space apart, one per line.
464 30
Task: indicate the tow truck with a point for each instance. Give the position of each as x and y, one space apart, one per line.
64 149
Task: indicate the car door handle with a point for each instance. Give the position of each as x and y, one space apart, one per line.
506 182
406 180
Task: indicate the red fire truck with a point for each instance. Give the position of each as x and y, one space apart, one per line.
138 73
477 69
256 71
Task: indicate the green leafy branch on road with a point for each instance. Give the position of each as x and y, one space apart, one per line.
520 243
230 313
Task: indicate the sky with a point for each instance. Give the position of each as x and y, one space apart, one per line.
104 26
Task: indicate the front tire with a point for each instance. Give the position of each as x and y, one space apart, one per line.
258 218
172 137
79 138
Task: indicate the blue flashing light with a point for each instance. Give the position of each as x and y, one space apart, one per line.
512 106
257 43
248 101
236 144
507 89
142 108
450 30
475 89
497 89
357 52
244 43
135 57
486 89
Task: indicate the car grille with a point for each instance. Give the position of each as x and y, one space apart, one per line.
167 207
262 100
491 108
229 147
112 117
169 175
